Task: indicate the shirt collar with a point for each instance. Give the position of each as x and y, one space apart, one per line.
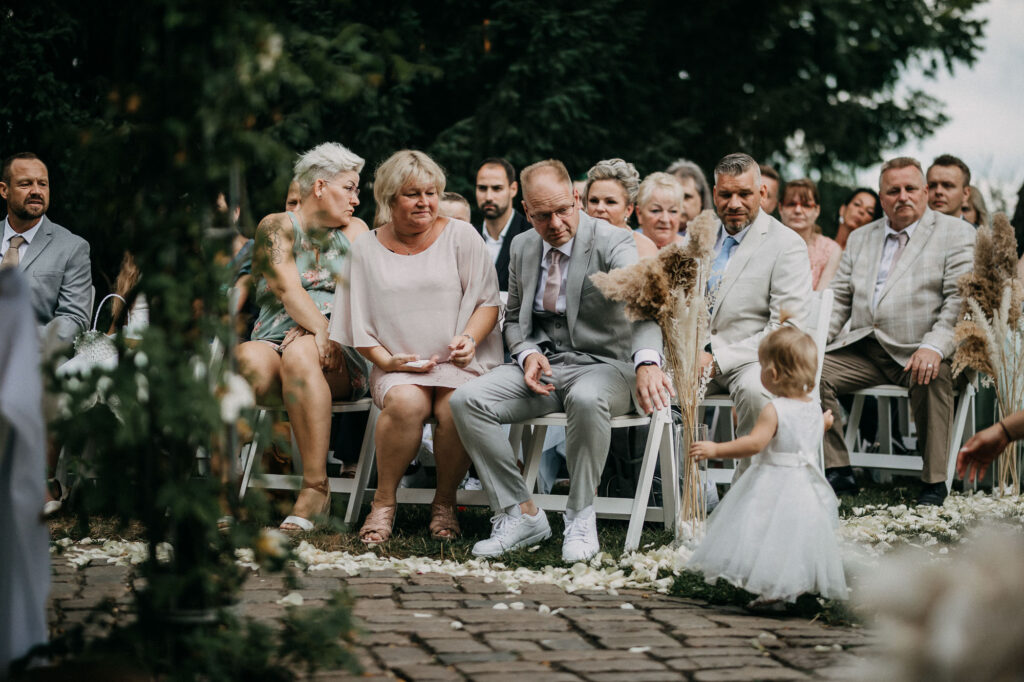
739 236
504 231
908 230
29 234
565 248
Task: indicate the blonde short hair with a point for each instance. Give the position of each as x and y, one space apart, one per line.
656 181
402 168
794 357
323 162
622 172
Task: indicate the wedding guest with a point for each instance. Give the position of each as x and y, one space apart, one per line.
294 196
659 209
496 189
696 194
860 208
897 287
800 208
297 259
454 205
772 182
949 185
420 302
610 194
974 209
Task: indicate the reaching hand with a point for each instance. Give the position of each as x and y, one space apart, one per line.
829 419
653 388
980 451
536 366
703 449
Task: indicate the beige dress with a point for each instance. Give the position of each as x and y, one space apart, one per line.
417 304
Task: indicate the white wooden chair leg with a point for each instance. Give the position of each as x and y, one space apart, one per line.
643 490
533 452
884 426
852 431
364 467
250 453
958 431
669 463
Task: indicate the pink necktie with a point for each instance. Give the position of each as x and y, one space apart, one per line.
902 238
11 256
553 283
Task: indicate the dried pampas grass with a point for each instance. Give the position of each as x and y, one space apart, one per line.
670 289
990 333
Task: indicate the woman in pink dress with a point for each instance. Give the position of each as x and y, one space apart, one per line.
420 302
799 209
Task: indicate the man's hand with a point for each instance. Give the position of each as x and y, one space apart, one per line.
980 451
653 388
535 367
463 349
703 449
923 366
708 360
829 419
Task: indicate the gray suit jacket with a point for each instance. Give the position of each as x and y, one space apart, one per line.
597 327
919 303
769 272
59 272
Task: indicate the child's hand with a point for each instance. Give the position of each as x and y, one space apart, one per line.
829 419
703 449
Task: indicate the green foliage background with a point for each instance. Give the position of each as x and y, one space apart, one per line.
94 88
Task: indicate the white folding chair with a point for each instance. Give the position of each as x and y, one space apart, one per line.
960 429
821 315
353 486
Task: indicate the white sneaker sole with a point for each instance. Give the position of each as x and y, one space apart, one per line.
525 542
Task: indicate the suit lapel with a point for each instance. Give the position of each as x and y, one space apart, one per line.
530 273
579 263
740 257
43 237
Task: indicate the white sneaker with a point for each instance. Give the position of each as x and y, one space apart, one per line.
580 536
473 483
512 532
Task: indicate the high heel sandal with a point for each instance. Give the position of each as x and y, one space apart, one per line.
304 524
57 492
380 520
444 523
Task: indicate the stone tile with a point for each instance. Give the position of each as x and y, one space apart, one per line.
682 664
526 677
809 659
429 589
528 605
630 640
748 675
517 645
574 655
697 653
426 672
719 642
477 585
476 657
383 639
456 646
259 596
431 579
682 620
645 676
568 643
429 605
721 632
518 668
371 590
750 661
391 656
621 665
64 590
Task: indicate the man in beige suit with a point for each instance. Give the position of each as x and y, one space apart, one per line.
760 269
896 286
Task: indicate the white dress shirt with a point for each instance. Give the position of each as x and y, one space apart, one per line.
494 245
9 232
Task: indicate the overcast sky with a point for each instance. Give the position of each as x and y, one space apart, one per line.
985 105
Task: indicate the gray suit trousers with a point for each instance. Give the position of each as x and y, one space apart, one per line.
744 386
589 394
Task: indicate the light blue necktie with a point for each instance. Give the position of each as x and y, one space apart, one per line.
721 261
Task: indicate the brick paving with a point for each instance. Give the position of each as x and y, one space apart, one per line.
436 627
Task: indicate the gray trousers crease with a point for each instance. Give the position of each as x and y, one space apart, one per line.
749 396
589 394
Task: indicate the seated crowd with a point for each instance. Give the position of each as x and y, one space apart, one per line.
408 313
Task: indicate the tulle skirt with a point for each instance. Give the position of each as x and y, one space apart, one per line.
774 534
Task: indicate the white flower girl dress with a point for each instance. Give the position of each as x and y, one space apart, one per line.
774 533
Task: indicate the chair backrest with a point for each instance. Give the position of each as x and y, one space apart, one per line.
822 319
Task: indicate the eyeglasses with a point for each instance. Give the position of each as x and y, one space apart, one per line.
795 204
562 213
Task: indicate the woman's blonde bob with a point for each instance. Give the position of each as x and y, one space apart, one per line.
403 168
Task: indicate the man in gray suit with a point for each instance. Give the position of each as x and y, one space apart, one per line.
55 261
575 352
897 286
760 269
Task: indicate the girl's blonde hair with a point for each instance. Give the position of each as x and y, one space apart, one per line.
794 357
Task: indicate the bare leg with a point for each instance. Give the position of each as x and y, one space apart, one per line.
260 364
451 457
307 398
399 432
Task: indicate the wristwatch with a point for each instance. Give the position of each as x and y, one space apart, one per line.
646 363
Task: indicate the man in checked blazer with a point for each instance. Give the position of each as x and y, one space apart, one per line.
575 352
55 261
897 287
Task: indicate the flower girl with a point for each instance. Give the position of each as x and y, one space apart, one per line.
774 534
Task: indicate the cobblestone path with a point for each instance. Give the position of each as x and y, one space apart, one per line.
634 636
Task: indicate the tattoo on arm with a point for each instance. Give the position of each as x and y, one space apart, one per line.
271 240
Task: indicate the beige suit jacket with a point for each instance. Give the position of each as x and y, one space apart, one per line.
919 303
769 272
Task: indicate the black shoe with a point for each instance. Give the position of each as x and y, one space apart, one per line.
933 493
842 481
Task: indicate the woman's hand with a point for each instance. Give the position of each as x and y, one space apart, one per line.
829 419
463 348
400 363
330 352
703 449
293 333
980 451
